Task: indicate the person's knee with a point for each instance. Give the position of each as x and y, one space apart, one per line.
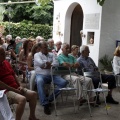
63 83
33 94
39 81
22 100
66 82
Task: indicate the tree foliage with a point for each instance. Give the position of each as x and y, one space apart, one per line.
101 2
43 2
42 14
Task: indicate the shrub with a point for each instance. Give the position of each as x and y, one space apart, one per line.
25 30
105 61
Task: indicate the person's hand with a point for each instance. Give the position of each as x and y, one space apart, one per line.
76 65
21 89
48 65
17 91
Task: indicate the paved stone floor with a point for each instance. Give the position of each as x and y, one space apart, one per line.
67 113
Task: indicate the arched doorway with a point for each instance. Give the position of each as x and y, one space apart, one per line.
76 26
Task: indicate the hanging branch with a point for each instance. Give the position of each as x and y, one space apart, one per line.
101 2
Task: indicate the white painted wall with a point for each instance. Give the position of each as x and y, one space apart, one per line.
65 8
110 27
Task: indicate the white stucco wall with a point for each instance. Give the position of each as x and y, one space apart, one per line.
65 8
110 27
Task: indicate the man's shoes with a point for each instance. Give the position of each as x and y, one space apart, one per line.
47 109
109 99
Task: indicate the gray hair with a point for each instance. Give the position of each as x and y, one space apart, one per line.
82 48
49 40
39 38
8 36
63 45
18 38
58 42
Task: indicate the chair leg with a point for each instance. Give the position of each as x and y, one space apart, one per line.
55 104
117 83
66 95
74 103
105 102
89 104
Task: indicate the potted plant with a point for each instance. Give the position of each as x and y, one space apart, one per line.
105 62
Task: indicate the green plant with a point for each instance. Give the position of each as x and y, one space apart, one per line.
27 29
105 62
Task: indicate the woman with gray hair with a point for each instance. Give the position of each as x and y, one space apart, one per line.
18 41
7 39
39 38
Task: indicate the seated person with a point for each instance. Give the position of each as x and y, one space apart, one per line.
43 61
5 111
67 60
11 48
74 51
27 46
2 41
30 64
116 61
50 45
57 49
88 63
15 92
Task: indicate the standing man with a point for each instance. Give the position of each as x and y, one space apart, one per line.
88 63
42 64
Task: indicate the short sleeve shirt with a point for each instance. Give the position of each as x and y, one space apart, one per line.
69 59
7 74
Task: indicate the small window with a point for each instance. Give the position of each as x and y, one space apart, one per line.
90 38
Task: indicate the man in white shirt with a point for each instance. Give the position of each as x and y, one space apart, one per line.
42 64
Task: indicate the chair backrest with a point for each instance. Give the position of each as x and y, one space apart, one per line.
87 73
90 74
60 70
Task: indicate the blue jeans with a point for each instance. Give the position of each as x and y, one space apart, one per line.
41 80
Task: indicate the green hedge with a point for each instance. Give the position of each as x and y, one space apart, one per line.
27 30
